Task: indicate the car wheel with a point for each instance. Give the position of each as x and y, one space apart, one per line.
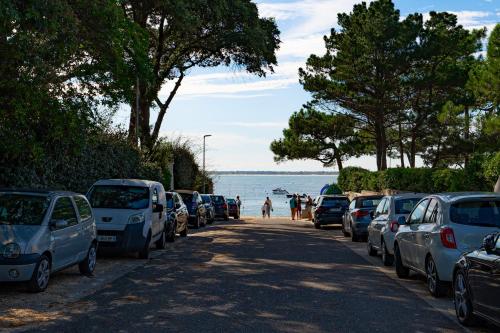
371 251
434 284
387 259
401 270
463 304
345 233
171 234
317 225
197 223
226 218
41 275
184 232
354 237
87 266
144 253
162 242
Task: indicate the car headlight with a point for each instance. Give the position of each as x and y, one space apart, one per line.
11 251
138 218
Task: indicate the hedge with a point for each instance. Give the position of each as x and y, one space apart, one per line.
481 174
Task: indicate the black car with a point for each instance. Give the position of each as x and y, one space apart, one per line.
209 206
476 283
195 207
178 213
220 206
329 209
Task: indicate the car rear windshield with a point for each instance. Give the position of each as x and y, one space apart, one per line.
335 202
405 206
187 198
23 208
368 202
482 213
170 200
231 201
218 199
119 197
206 199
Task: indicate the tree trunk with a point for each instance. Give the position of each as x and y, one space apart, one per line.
339 162
131 125
401 146
413 149
381 146
466 134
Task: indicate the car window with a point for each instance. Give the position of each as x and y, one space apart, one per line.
431 213
206 199
404 206
187 198
385 210
64 210
170 200
119 197
23 208
334 202
352 204
497 243
231 201
83 208
380 207
218 199
154 199
368 202
483 213
417 215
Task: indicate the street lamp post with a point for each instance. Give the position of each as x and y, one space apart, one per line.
204 137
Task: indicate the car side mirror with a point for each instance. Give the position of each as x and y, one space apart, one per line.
489 243
401 220
158 208
58 224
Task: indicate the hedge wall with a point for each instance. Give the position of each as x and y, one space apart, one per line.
480 175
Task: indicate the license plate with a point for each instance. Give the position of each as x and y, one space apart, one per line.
106 238
335 209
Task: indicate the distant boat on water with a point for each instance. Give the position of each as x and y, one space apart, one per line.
280 191
291 195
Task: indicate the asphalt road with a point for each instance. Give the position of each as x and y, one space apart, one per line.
255 276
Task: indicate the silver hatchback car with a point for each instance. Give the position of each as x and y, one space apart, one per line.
439 229
42 232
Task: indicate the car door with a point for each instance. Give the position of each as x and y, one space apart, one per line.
380 219
66 238
87 232
347 215
409 231
424 232
181 212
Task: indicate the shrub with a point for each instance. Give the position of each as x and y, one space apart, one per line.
333 189
491 170
352 179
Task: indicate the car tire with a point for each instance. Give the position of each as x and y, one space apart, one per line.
317 225
462 300
345 233
171 234
371 251
197 223
87 266
354 236
387 259
41 275
226 218
144 253
162 242
184 232
435 286
402 271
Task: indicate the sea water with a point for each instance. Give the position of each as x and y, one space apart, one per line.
253 190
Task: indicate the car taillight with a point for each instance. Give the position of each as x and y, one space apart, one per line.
224 206
448 238
394 226
361 213
320 209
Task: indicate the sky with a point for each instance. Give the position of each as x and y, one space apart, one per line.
244 114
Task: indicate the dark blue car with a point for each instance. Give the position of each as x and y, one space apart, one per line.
329 209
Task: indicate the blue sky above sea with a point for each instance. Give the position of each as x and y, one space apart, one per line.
245 113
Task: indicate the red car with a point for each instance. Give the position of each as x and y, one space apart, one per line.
233 208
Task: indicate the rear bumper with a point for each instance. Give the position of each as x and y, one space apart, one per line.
325 220
131 239
361 229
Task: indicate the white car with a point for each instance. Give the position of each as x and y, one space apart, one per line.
439 229
385 223
130 214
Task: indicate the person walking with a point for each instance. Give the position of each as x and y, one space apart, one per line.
293 206
309 204
264 209
299 207
269 207
238 203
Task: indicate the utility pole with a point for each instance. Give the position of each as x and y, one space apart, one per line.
204 176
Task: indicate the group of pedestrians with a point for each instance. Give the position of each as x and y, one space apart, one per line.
296 207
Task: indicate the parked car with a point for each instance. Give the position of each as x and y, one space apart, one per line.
476 283
233 208
209 206
358 216
177 212
383 227
220 206
130 215
195 206
329 209
42 232
439 229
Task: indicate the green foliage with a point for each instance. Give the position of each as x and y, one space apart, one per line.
492 168
333 189
353 179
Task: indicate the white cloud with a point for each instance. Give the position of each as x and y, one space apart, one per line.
302 47
278 124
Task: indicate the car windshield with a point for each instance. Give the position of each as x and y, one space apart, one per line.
119 197
187 197
218 199
482 213
231 201
335 202
405 206
23 209
170 200
369 202
206 199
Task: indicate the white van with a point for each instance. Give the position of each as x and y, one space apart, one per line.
130 214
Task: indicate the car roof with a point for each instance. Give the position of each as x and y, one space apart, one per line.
408 195
185 191
371 196
458 196
127 182
333 196
37 191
